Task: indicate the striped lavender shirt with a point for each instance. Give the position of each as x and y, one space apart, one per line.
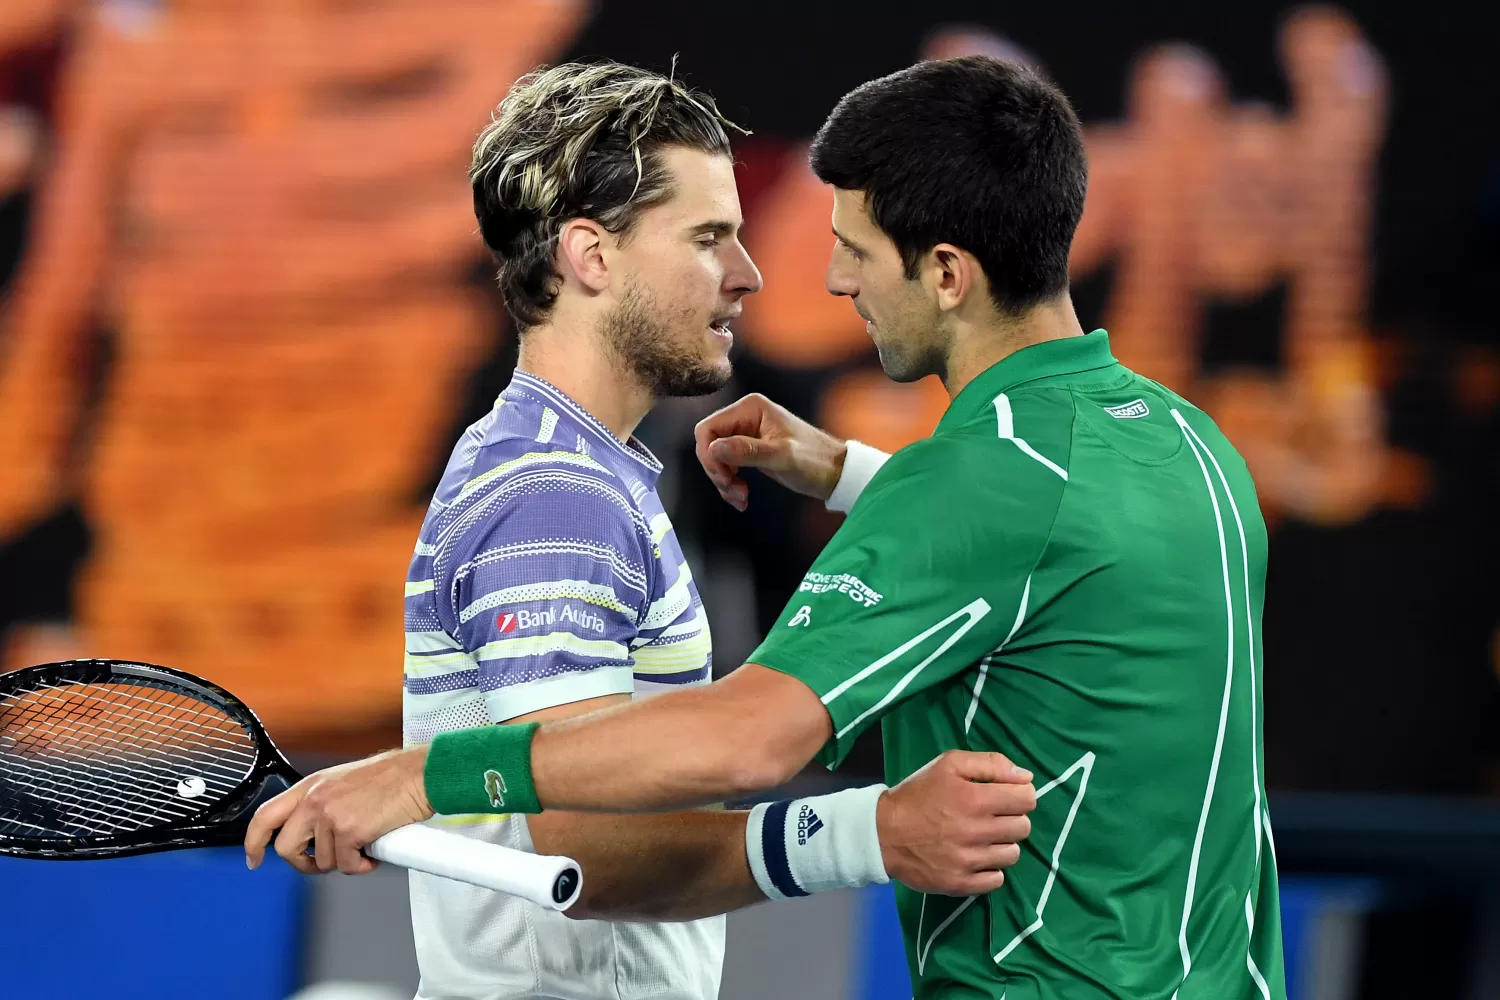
546 572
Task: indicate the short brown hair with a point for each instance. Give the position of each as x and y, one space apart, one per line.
571 141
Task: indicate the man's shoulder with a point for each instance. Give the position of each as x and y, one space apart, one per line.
1142 420
506 463
1038 414
520 491
1022 440
519 435
959 488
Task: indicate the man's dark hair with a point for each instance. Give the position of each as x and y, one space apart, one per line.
977 152
578 140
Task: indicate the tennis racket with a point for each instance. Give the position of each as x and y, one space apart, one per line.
109 758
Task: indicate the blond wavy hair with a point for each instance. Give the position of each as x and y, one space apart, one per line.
579 140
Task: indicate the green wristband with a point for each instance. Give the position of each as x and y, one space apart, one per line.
483 770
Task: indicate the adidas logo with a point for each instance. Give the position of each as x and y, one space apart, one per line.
1128 411
808 824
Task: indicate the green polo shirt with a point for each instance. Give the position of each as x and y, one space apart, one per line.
1070 571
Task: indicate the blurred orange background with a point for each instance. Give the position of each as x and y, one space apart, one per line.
249 314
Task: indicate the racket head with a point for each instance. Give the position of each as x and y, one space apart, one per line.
109 758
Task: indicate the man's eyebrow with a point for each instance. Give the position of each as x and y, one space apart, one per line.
847 242
719 227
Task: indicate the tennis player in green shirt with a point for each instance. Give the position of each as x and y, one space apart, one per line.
1069 571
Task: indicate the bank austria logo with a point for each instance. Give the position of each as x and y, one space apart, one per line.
843 583
521 620
1129 411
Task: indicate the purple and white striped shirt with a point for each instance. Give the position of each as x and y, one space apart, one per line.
546 572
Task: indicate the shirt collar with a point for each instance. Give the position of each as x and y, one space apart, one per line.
1066 356
642 462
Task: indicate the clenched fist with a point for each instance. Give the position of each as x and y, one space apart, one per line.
754 432
953 826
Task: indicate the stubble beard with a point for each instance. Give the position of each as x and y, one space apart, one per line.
905 360
641 342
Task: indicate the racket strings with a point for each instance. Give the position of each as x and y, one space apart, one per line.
96 811
114 757
92 798
87 783
236 759
95 791
87 725
40 739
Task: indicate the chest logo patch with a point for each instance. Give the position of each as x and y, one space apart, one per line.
802 617
1129 411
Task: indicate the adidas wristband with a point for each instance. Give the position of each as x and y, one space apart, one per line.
797 847
861 462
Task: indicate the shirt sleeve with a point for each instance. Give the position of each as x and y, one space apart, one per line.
929 574
550 590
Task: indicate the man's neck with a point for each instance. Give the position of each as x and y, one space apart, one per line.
981 347
578 363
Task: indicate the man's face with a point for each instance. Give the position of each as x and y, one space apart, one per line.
899 315
683 273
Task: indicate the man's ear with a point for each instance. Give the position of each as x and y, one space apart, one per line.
951 275
580 252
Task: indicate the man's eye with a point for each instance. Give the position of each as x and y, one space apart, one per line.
709 241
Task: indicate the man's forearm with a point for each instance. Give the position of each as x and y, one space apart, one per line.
753 730
673 866
949 828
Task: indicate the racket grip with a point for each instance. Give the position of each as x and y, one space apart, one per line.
546 880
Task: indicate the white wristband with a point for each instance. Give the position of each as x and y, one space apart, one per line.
800 846
861 462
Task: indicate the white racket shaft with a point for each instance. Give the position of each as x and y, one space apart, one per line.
546 880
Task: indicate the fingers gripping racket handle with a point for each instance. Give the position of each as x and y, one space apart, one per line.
553 882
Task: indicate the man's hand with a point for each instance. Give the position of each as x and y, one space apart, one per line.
757 433
340 810
950 828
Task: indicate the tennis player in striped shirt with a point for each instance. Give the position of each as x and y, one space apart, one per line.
548 582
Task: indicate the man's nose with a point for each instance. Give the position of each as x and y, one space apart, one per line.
744 277
838 280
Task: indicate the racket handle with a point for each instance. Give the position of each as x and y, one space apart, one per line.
553 882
